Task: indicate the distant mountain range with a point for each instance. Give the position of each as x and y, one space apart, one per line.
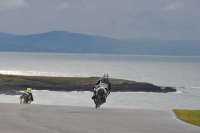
66 42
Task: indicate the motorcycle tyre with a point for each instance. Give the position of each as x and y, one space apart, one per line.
98 101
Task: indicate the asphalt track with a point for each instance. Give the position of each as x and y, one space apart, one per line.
21 118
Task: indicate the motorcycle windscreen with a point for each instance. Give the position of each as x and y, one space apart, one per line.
103 85
105 81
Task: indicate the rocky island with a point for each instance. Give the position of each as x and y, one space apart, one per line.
12 84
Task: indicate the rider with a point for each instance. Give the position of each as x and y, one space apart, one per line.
104 80
27 93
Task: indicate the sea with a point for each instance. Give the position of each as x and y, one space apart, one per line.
181 72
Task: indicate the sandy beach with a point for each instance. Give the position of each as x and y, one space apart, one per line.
21 118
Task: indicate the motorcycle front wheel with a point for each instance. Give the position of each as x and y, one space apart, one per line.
98 101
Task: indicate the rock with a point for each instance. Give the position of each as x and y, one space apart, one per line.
168 89
11 89
12 84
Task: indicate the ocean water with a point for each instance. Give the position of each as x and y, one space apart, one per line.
180 72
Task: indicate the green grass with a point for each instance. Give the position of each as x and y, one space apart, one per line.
44 79
189 116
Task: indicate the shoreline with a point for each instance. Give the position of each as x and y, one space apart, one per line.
108 54
12 84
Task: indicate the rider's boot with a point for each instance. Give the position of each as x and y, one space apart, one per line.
104 98
94 94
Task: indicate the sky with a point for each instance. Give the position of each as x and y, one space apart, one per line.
120 19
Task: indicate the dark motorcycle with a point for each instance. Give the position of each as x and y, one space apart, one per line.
101 94
25 99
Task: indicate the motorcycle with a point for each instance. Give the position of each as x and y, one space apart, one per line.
101 94
25 99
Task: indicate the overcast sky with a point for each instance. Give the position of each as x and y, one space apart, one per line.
161 19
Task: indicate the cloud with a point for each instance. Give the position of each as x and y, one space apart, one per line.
12 4
63 6
92 5
175 6
77 6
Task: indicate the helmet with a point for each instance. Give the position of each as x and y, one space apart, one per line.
28 90
105 76
104 79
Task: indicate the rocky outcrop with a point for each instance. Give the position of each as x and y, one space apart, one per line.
12 84
126 86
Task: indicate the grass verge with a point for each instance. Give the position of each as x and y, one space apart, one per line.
46 79
189 116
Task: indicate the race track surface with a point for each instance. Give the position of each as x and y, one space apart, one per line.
21 118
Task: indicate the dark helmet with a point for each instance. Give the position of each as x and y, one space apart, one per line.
104 79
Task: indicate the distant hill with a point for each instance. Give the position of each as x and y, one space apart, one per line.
140 39
5 36
66 42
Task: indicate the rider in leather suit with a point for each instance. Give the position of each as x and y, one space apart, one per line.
104 80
